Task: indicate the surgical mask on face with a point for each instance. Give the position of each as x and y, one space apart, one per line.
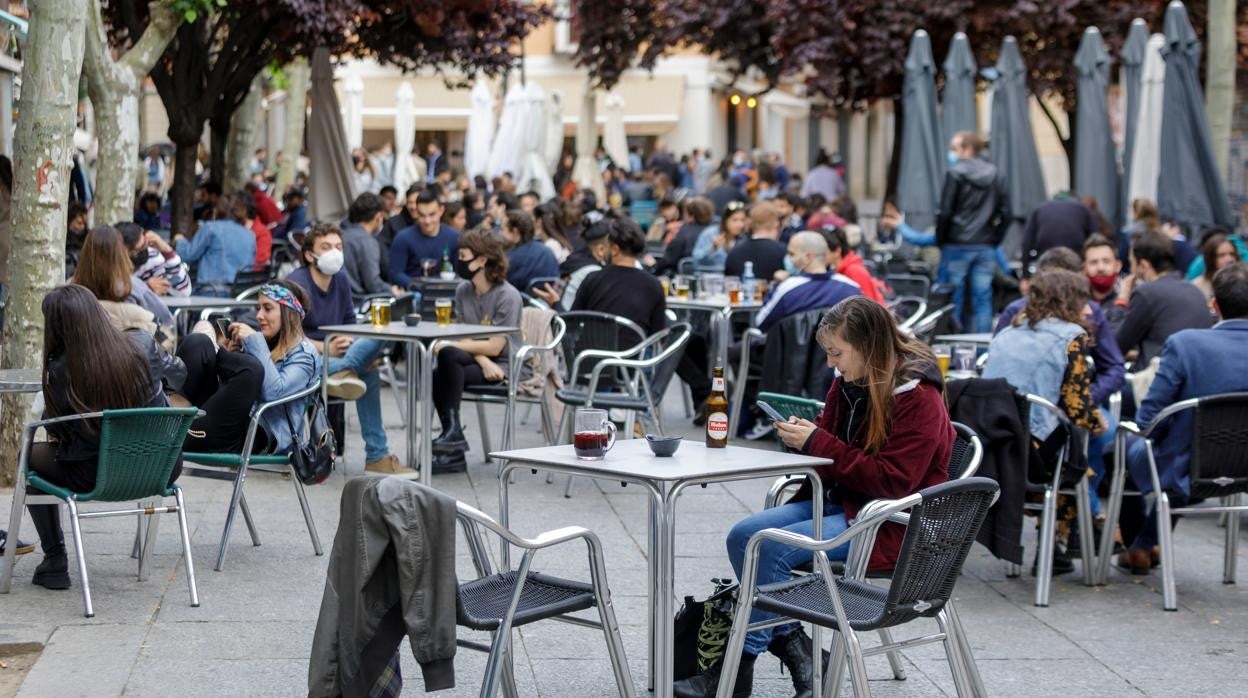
951 157
330 262
790 266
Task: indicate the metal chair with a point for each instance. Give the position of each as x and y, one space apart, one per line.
909 285
249 276
137 454
497 602
907 310
507 392
1219 468
941 525
539 281
925 329
233 467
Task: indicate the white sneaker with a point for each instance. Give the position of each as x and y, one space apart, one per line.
759 430
345 385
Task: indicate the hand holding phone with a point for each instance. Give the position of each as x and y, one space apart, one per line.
223 327
770 411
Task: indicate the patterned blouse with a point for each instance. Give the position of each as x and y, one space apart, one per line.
1076 391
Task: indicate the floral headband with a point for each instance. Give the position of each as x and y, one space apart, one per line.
282 296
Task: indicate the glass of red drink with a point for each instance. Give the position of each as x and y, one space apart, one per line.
594 435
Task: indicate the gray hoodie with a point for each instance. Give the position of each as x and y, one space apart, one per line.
973 205
391 573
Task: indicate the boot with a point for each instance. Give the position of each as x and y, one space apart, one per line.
452 437
453 462
53 571
794 653
706 684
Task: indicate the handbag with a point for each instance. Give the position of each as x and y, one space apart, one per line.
702 629
313 459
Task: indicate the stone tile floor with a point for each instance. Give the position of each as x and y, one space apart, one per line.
252 635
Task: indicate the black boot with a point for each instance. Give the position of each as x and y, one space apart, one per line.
53 572
452 437
794 652
453 462
706 684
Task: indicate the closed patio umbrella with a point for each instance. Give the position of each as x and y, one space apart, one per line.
1012 146
554 129
480 130
1146 145
404 136
507 150
922 153
329 179
1132 58
534 175
1096 167
1189 185
613 138
957 102
585 170
353 110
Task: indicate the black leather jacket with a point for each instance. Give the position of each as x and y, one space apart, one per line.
793 362
974 206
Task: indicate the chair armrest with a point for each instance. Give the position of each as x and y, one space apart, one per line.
858 528
261 408
655 360
521 354
1129 428
623 354
545 539
1167 413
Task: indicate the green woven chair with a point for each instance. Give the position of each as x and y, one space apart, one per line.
793 406
138 451
233 467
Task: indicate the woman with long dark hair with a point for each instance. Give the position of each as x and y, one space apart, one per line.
88 366
1217 251
226 379
886 429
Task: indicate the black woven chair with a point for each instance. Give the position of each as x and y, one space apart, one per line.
941 524
907 310
909 285
251 275
499 602
1219 468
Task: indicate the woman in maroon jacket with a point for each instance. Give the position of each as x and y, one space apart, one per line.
887 431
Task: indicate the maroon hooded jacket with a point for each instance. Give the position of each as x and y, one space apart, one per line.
916 456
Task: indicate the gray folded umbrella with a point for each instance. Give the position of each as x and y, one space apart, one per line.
1132 57
1189 187
1096 167
329 176
957 102
1012 145
922 152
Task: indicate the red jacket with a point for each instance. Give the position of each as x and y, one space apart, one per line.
264 241
266 208
920 443
851 265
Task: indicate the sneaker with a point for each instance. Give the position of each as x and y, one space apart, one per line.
345 385
389 465
21 548
760 430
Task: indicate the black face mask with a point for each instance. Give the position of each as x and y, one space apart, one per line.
462 269
138 259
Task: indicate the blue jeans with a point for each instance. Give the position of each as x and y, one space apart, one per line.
979 262
357 358
776 561
1097 445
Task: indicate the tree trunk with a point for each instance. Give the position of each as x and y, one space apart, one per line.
1220 79
115 88
298 74
218 133
182 193
242 138
42 146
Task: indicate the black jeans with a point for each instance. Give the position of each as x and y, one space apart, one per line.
225 385
455 369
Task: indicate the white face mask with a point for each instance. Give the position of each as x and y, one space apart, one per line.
330 262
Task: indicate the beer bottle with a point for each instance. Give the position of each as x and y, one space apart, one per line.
717 412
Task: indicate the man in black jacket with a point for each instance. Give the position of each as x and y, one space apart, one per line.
972 220
1159 302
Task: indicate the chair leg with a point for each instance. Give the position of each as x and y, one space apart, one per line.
836 666
76 528
857 665
1170 600
251 524
964 645
229 515
307 512
494 664
954 657
894 656
1083 505
184 530
1044 568
149 544
15 528
731 660
1113 506
137 549
686 397
387 369
485 431
615 644
1232 538
509 674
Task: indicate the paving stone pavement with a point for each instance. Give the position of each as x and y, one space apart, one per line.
252 634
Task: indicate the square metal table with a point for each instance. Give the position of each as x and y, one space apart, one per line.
721 312
630 461
978 338
21 380
419 376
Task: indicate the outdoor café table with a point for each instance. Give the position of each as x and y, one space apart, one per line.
721 312
21 380
978 338
630 461
420 375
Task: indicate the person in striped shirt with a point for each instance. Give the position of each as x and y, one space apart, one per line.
155 261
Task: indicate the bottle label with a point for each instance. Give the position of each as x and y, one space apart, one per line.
717 385
717 426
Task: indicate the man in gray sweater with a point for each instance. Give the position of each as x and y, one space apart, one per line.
360 248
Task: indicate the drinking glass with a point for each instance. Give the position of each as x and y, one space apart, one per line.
681 284
712 286
732 285
379 312
429 267
942 357
594 436
760 290
964 358
442 308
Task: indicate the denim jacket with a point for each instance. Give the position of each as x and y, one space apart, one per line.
221 248
294 372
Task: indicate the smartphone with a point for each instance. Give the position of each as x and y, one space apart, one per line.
223 326
770 411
